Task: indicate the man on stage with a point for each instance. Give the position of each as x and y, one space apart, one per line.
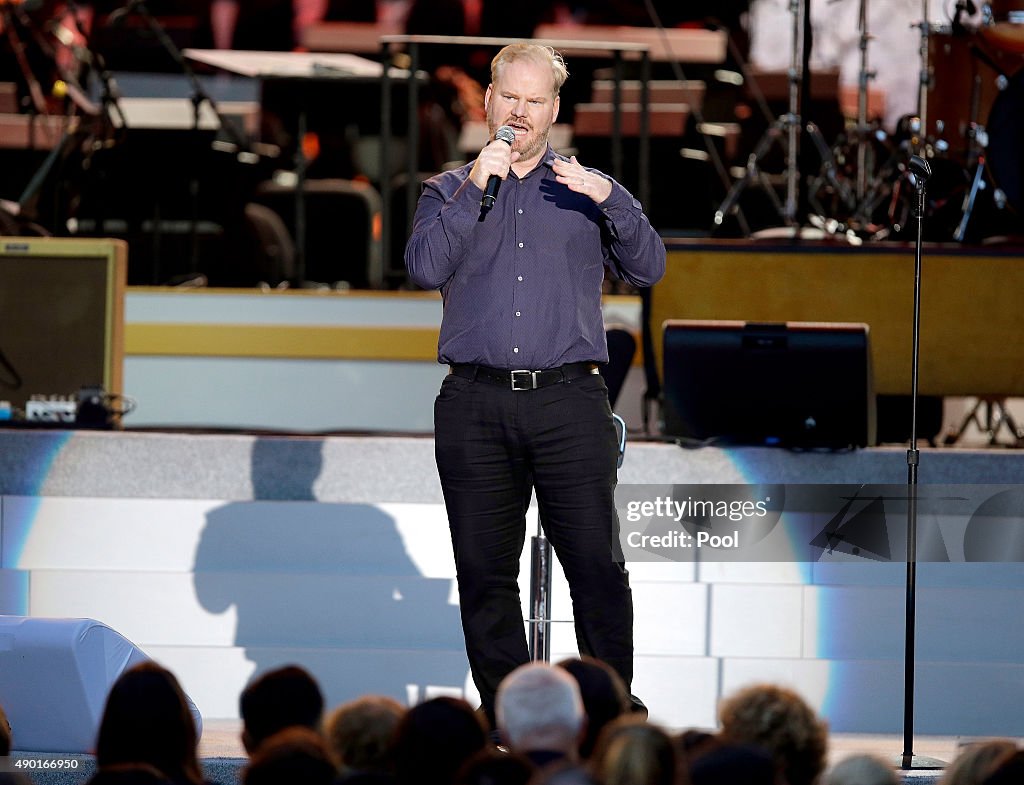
524 406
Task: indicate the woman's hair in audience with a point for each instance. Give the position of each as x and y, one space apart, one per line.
296 754
977 761
564 773
631 751
1010 771
360 734
128 774
604 695
779 720
861 770
5 734
434 739
491 766
712 763
147 720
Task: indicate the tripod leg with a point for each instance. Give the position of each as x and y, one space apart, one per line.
969 199
753 170
828 167
540 599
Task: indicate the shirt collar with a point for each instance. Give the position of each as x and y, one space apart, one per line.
548 158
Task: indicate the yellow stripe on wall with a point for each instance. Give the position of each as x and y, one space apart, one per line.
287 342
281 341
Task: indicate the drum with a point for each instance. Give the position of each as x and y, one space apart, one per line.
962 86
1005 26
1005 131
1011 11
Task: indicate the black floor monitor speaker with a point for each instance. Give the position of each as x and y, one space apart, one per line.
798 384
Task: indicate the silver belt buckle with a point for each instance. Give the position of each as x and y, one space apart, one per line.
528 378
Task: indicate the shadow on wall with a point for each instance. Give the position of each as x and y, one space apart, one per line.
328 586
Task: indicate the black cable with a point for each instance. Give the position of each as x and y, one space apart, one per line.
12 372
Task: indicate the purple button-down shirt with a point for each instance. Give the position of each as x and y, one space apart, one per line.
522 284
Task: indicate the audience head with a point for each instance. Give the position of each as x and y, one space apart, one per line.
778 720
538 707
632 751
147 721
5 734
1009 772
434 739
296 754
976 762
127 774
360 734
604 696
279 699
861 770
735 764
564 773
491 766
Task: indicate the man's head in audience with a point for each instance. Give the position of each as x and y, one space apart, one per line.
360 734
279 699
539 710
296 754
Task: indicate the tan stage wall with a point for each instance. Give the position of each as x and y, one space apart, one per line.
972 319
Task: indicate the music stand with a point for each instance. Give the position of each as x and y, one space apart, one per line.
303 69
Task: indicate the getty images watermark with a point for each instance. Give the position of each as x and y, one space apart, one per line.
805 523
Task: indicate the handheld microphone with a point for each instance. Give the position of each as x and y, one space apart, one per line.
507 135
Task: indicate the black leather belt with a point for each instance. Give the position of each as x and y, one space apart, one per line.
524 380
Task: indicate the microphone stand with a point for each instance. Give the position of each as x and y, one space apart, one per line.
921 170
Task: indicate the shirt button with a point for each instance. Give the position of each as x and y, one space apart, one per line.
520 245
520 211
518 314
515 349
519 277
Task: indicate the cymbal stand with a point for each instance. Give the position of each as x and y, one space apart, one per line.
874 195
863 80
924 78
828 174
785 131
996 417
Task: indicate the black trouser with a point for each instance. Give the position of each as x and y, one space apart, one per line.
492 444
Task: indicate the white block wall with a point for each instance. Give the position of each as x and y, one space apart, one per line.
344 565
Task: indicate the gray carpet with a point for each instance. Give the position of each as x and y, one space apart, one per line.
228 771
77 769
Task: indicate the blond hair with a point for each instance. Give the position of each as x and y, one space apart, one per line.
537 53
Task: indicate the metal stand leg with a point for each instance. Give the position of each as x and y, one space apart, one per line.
996 417
828 175
786 132
540 597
